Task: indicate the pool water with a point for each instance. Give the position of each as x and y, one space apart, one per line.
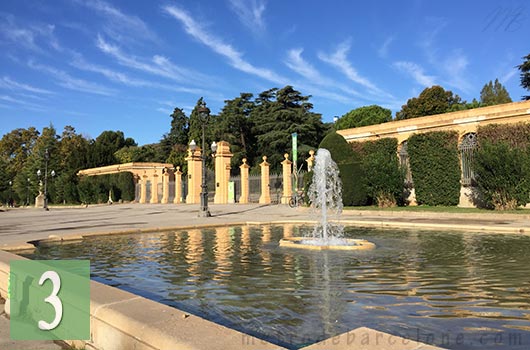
456 290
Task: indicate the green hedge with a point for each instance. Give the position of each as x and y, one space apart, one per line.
384 177
95 189
502 175
502 165
435 167
351 173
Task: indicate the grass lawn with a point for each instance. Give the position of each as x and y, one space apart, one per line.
440 209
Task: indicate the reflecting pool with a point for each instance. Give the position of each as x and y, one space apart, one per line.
456 290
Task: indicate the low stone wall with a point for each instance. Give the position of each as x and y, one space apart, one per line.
121 320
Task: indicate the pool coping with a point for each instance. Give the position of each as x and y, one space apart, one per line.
381 224
120 319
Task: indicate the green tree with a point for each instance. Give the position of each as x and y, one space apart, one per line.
494 94
525 75
106 144
278 114
48 142
233 125
433 100
73 156
195 129
178 133
363 116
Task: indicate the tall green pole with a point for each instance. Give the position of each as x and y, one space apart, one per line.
295 159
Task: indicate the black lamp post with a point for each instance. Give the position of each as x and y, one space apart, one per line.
204 116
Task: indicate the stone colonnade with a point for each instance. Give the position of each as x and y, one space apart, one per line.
165 176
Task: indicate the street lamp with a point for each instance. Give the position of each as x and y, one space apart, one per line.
204 116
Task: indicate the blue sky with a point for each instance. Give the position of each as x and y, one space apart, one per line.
124 65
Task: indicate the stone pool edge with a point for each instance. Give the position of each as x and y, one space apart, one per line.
381 224
122 320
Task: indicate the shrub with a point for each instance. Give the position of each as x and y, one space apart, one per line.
384 177
435 167
351 174
95 189
502 175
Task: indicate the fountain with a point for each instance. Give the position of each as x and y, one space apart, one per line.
325 194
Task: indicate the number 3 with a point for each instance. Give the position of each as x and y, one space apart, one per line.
53 299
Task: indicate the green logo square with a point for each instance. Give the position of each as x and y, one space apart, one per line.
50 299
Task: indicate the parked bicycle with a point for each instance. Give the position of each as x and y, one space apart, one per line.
297 199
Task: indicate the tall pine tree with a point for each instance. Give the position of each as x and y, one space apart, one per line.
494 94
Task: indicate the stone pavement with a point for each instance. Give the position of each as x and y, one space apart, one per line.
8 344
21 225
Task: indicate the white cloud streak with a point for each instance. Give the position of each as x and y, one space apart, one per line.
124 79
118 24
69 82
383 50
250 13
157 65
28 37
339 60
235 58
416 72
8 83
298 64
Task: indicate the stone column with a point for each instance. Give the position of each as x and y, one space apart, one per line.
265 197
222 172
243 199
287 180
178 186
143 189
154 188
194 176
311 160
165 187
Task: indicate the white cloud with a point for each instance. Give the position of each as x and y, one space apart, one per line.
383 50
123 78
506 77
158 65
250 13
21 104
118 24
8 83
30 36
416 72
454 66
69 82
299 65
235 58
339 60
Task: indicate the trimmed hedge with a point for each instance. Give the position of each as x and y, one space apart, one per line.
435 167
95 189
384 177
351 173
513 135
502 175
502 165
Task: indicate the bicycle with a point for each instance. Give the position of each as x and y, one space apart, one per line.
296 200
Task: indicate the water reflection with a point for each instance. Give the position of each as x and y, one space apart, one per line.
422 285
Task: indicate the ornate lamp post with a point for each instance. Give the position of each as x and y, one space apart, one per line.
39 173
204 116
